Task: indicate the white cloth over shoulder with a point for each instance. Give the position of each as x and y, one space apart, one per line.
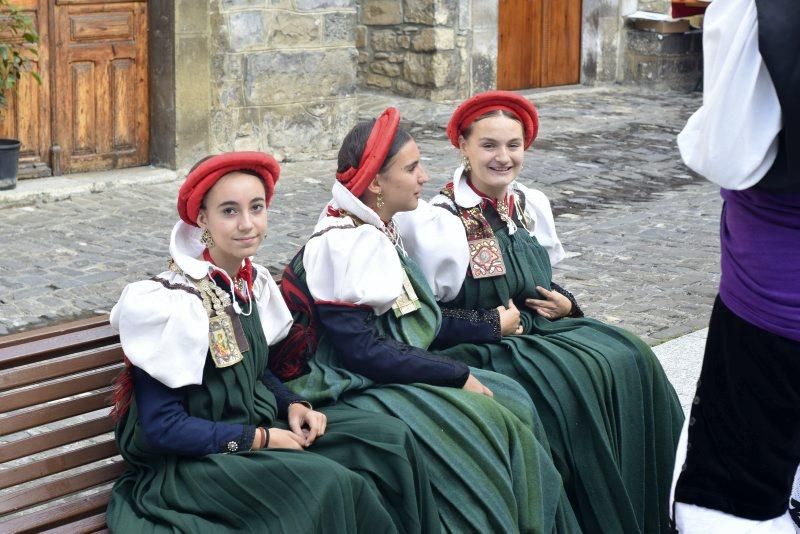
732 139
436 240
163 331
351 264
163 325
539 212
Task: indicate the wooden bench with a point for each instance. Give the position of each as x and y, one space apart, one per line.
58 458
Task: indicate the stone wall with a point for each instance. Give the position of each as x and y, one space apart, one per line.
416 48
655 6
661 60
283 76
664 60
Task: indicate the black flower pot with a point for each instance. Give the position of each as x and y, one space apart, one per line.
9 163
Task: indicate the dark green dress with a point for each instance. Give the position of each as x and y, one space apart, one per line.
364 475
488 459
611 416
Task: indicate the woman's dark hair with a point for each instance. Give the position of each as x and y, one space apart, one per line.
355 141
496 113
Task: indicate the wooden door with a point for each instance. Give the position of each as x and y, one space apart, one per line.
101 96
27 116
539 43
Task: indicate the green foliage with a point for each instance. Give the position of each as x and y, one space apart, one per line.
18 48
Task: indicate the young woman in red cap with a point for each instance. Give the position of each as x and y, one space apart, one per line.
214 442
611 416
365 323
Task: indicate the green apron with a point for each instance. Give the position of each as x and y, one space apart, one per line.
488 459
365 474
611 416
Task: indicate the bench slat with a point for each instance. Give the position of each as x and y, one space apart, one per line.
49 369
50 440
58 488
55 412
58 514
93 523
59 389
49 347
54 330
58 463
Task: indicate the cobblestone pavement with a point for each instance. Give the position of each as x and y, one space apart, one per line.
641 232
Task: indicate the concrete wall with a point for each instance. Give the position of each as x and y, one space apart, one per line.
660 61
447 49
272 75
416 48
280 75
284 76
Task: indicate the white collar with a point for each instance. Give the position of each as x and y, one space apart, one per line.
185 247
465 196
343 199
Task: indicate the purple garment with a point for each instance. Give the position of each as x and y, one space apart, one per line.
760 241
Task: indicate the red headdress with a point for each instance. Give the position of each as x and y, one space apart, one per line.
375 151
484 103
209 171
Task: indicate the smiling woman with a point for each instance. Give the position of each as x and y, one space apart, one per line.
373 321
213 441
234 219
611 416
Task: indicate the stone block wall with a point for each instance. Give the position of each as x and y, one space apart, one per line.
655 6
282 76
664 61
415 48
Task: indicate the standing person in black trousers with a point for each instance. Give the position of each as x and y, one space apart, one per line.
742 440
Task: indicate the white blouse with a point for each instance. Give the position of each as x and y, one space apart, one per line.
437 241
163 326
732 139
350 264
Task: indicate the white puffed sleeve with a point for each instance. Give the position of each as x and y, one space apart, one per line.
435 239
276 319
163 331
537 210
732 139
352 265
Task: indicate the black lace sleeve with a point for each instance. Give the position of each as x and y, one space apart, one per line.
467 326
576 310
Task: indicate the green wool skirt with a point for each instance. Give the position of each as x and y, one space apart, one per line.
366 474
611 417
488 458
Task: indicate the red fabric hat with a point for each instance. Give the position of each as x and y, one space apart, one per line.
378 144
483 103
209 171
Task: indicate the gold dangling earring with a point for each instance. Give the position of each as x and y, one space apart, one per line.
379 200
206 239
465 164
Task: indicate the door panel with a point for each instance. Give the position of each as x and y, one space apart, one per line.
101 84
538 43
561 42
27 116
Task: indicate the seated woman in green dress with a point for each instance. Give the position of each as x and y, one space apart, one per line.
365 319
213 441
611 416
